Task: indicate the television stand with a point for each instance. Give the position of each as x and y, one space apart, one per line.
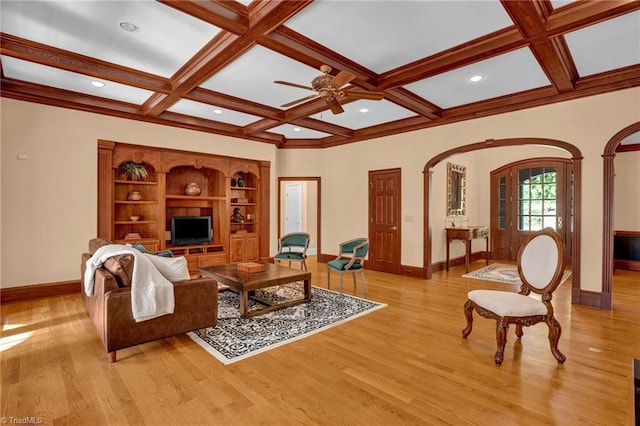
200 256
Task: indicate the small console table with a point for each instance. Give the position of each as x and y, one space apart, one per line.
466 235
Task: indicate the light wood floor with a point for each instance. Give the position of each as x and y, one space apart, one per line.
404 364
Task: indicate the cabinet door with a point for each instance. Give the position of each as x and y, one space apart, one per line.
244 248
252 248
236 249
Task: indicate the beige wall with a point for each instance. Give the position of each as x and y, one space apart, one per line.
49 200
627 191
48 205
586 123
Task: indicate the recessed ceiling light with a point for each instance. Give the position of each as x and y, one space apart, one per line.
476 78
129 27
363 110
296 129
217 111
97 84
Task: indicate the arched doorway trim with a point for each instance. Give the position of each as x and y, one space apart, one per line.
607 214
576 157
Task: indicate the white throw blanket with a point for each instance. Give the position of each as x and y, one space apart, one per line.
151 293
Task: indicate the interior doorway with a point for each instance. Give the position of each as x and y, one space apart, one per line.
299 209
292 207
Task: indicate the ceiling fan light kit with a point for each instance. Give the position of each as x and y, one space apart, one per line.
329 89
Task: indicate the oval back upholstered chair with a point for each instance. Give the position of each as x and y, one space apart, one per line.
541 263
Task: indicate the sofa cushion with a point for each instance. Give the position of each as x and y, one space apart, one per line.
121 267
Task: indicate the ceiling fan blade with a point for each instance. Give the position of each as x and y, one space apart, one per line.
299 86
292 103
359 94
334 105
341 79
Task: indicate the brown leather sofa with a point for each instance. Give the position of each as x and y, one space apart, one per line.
196 305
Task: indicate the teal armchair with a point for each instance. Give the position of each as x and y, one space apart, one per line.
350 258
293 248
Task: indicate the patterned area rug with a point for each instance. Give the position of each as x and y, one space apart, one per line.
235 338
503 273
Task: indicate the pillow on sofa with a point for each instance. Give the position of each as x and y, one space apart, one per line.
173 268
121 267
143 249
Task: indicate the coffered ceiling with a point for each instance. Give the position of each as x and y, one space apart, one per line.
211 65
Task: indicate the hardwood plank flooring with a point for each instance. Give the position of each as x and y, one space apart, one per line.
404 364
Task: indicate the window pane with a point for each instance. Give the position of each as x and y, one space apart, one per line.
550 191
536 223
524 208
523 191
550 207
536 175
523 223
550 221
536 192
523 175
550 174
536 207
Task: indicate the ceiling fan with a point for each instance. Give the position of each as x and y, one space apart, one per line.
329 88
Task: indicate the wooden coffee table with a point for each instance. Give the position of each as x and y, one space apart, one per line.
246 283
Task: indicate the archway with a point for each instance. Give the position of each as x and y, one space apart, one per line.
607 215
576 157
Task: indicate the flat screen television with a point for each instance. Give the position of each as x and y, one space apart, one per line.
187 230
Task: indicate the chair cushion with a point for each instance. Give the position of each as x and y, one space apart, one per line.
339 265
291 255
121 267
507 304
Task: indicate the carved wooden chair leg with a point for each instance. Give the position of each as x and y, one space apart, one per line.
554 337
328 277
502 327
468 313
519 332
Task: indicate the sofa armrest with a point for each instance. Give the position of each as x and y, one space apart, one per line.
196 307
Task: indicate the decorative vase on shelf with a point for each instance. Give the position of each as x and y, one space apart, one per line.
192 189
240 182
134 196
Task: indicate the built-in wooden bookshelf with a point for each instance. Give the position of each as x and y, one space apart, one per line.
226 185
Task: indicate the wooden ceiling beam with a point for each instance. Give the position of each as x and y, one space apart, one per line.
411 101
33 92
292 44
485 47
42 54
323 126
584 13
223 100
553 57
226 15
225 47
261 126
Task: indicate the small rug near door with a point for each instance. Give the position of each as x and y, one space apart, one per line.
503 273
235 338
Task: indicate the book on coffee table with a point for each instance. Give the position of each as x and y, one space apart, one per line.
251 267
